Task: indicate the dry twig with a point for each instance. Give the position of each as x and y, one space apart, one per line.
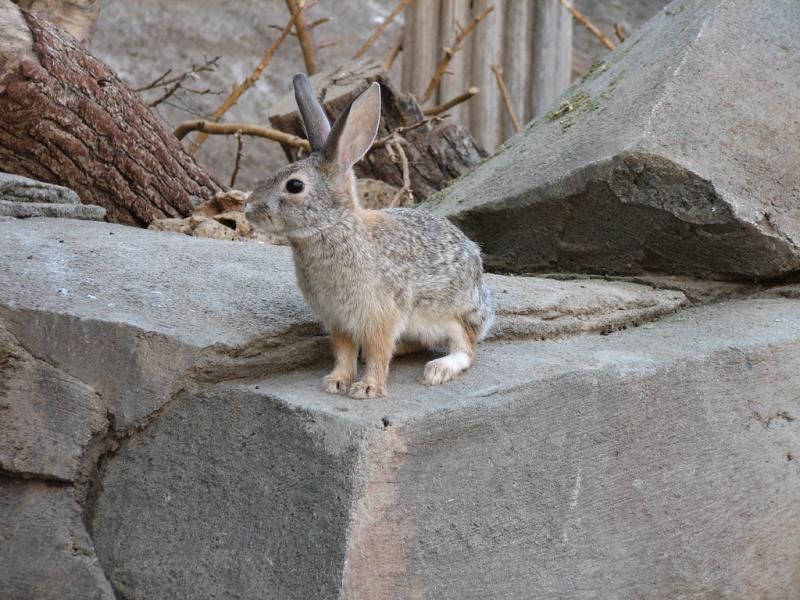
394 147
498 75
584 20
334 42
381 28
396 49
237 161
173 84
211 128
240 89
444 106
450 52
297 8
620 32
382 142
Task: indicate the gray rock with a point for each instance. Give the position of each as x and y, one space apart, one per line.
135 314
45 552
678 154
23 198
23 189
26 210
654 462
47 418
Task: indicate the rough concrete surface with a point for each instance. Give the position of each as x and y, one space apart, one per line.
47 418
45 552
656 462
23 198
658 159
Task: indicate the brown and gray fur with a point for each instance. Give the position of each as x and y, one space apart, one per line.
385 281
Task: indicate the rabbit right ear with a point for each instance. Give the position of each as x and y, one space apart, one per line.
316 123
354 130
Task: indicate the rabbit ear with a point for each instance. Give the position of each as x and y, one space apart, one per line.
354 130
316 123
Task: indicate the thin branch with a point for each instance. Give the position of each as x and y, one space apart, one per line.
319 22
449 53
156 83
173 84
396 49
498 75
237 161
334 42
397 155
444 106
240 89
298 10
211 128
382 142
381 28
620 32
584 20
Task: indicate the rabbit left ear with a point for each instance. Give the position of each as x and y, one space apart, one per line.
354 130
314 120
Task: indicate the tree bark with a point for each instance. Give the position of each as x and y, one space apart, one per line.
77 17
436 154
66 118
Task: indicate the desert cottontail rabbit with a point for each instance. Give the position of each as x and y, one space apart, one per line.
376 278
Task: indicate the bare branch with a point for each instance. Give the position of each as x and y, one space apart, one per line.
237 161
620 32
396 49
240 89
319 22
445 106
298 10
381 28
382 142
334 42
211 128
498 75
397 155
584 20
450 52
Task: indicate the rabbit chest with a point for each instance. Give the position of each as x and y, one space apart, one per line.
345 286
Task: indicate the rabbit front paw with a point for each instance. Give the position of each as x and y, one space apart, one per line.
336 383
364 389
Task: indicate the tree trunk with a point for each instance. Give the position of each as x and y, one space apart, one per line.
436 154
77 17
66 118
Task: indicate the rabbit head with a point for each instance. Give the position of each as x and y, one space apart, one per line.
318 191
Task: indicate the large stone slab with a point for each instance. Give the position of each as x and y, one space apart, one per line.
137 315
47 418
677 154
45 552
660 462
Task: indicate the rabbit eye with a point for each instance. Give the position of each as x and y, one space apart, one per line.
294 186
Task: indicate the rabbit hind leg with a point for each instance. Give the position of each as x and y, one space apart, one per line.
462 341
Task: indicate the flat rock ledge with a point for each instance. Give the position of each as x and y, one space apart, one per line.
152 382
23 198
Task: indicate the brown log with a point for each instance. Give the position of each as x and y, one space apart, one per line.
66 118
77 17
436 154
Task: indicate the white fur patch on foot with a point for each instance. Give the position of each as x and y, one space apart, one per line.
446 368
